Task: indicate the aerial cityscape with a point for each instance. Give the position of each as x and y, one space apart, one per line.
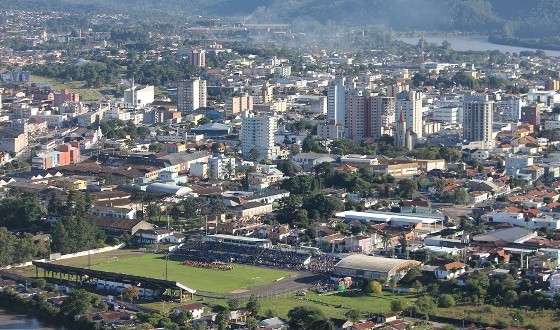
268 164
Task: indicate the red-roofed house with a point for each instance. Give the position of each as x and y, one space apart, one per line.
450 270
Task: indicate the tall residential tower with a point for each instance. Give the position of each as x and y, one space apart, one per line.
191 95
477 118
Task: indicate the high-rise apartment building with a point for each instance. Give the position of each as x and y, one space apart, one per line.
410 105
191 95
367 114
198 57
403 138
357 110
238 104
478 112
336 101
382 114
257 132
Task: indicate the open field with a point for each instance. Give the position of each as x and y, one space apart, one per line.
493 315
86 94
153 265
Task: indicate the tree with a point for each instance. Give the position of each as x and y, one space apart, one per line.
152 211
25 249
156 147
270 313
252 323
182 318
403 242
130 293
417 286
40 283
510 298
8 243
234 303
325 205
385 240
254 154
302 317
322 324
398 305
20 210
411 275
222 319
79 302
432 288
353 315
425 304
446 301
254 305
373 287
73 234
407 187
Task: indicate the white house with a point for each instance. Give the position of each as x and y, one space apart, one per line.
551 221
450 270
113 212
196 309
151 236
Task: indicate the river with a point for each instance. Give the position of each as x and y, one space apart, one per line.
20 322
475 43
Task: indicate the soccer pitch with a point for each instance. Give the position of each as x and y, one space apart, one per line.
153 265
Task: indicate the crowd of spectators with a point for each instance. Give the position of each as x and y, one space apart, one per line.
208 265
322 263
270 257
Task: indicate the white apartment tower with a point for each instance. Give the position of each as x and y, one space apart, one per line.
403 138
478 113
257 132
191 95
382 114
221 168
336 101
410 105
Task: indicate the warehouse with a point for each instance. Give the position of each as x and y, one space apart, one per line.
373 268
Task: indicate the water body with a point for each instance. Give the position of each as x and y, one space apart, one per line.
474 43
21 322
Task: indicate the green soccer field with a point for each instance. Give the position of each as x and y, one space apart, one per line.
153 265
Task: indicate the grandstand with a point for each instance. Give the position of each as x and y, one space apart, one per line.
113 282
239 240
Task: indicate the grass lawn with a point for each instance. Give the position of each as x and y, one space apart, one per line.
86 94
153 265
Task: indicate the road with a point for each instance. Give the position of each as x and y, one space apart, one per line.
300 281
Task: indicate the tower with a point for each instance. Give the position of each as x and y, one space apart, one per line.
336 101
421 56
403 136
410 105
191 95
478 113
257 132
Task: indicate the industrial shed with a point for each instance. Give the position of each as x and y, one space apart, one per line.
170 189
373 268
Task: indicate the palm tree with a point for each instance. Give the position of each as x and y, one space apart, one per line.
385 240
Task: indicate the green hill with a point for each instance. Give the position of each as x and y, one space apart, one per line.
516 18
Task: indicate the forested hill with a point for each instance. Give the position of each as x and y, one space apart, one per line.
519 18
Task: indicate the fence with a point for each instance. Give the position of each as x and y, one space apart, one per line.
69 256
